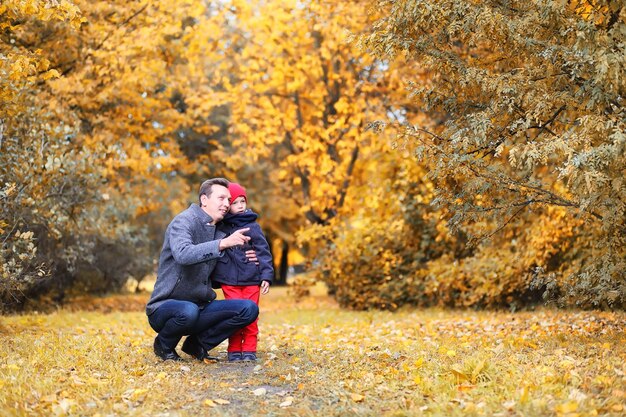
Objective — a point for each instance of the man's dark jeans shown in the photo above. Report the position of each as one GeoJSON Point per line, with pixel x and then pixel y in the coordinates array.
{"type": "Point", "coordinates": [212, 324]}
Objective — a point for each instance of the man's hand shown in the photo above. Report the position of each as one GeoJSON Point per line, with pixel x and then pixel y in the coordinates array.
{"type": "Point", "coordinates": [236, 239]}
{"type": "Point", "coordinates": [251, 255]}
{"type": "Point", "coordinates": [265, 287]}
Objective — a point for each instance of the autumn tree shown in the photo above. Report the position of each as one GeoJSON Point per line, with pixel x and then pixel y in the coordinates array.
{"type": "Point", "coordinates": [43, 179]}
{"type": "Point", "coordinates": [300, 97]}
{"type": "Point", "coordinates": [92, 163]}
{"type": "Point", "coordinates": [532, 139]}
{"type": "Point", "coordinates": [495, 179]}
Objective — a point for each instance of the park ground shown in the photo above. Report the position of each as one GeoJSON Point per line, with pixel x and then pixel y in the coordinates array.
{"type": "Point", "coordinates": [94, 358]}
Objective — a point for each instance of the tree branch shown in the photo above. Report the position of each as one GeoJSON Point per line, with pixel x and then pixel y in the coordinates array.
{"type": "Point", "coordinates": [503, 225]}
{"type": "Point", "coordinates": [72, 64]}
{"type": "Point", "coordinates": [124, 23]}
{"type": "Point", "coordinates": [544, 126]}
{"type": "Point", "coordinates": [346, 183]}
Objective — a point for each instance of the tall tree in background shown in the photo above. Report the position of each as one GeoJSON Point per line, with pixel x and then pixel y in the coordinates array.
{"type": "Point", "coordinates": [535, 129]}
{"type": "Point", "coordinates": [91, 159]}
{"type": "Point", "coordinates": [301, 96]}
{"type": "Point", "coordinates": [297, 98]}
{"type": "Point", "coordinates": [42, 178]}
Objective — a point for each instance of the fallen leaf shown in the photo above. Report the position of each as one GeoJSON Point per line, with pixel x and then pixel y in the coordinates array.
{"type": "Point", "coordinates": [139, 391]}
{"type": "Point", "coordinates": [63, 407]}
{"type": "Point", "coordinates": [357, 398]}
{"type": "Point", "coordinates": [568, 407]}
{"type": "Point", "coordinates": [479, 367]}
{"type": "Point", "coordinates": [49, 398]}
{"type": "Point", "coordinates": [509, 405]}
{"type": "Point", "coordinates": [288, 401]}
{"type": "Point", "coordinates": [221, 402]}
{"type": "Point", "coordinates": [525, 396]}
{"type": "Point", "coordinates": [459, 373]}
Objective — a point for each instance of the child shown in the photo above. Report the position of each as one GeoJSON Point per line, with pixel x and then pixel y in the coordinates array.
{"type": "Point", "coordinates": [240, 278]}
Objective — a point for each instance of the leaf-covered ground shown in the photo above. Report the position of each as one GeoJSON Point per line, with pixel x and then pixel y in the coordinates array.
{"type": "Point", "coordinates": [316, 359]}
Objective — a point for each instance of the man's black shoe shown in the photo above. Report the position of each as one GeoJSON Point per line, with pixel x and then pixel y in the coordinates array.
{"type": "Point", "coordinates": [192, 347]}
{"type": "Point", "coordinates": [165, 354]}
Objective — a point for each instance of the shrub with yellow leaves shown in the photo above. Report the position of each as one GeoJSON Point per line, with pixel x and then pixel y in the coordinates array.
{"type": "Point", "coordinates": [528, 113]}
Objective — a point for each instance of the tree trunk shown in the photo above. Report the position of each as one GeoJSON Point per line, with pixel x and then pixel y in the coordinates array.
{"type": "Point", "coordinates": [281, 277]}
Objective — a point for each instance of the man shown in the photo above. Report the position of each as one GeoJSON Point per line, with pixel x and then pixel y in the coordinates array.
{"type": "Point", "coordinates": [183, 301]}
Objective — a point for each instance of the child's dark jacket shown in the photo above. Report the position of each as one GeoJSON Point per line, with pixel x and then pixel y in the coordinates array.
{"type": "Point", "coordinates": [233, 268]}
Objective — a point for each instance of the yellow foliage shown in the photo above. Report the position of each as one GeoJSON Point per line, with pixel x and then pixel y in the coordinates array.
{"type": "Point", "coordinates": [315, 356]}
{"type": "Point", "coordinates": [132, 100]}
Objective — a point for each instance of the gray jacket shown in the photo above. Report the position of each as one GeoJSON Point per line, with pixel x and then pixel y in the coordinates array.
{"type": "Point", "coordinates": [190, 250]}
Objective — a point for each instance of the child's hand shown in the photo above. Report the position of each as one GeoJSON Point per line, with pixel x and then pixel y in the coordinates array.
{"type": "Point", "coordinates": [265, 287]}
{"type": "Point", "coordinates": [251, 256]}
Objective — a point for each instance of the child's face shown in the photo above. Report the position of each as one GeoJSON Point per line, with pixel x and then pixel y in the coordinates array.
{"type": "Point", "coordinates": [238, 206]}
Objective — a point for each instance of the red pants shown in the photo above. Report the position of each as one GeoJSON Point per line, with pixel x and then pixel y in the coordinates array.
{"type": "Point", "coordinates": [243, 340]}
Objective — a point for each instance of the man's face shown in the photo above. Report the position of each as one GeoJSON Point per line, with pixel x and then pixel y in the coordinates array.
{"type": "Point", "coordinates": [217, 204]}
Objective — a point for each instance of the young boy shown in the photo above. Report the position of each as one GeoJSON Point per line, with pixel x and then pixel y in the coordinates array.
{"type": "Point", "coordinates": [238, 278]}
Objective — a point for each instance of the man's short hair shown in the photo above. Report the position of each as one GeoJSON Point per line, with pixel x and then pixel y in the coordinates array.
{"type": "Point", "coordinates": [207, 187]}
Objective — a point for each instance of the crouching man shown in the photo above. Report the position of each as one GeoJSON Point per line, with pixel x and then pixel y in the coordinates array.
{"type": "Point", "coordinates": [183, 302]}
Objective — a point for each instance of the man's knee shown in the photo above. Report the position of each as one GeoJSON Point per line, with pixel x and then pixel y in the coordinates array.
{"type": "Point", "coordinates": [250, 310]}
{"type": "Point", "coordinates": [187, 316]}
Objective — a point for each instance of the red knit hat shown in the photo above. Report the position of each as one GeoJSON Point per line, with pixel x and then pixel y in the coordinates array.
{"type": "Point", "coordinates": [236, 190]}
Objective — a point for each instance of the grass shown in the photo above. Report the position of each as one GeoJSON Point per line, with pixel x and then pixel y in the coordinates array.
{"type": "Point", "coordinates": [89, 359]}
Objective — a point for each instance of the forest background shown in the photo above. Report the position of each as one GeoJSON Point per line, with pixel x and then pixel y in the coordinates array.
{"type": "Point", "coordinates": [447, 153]}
